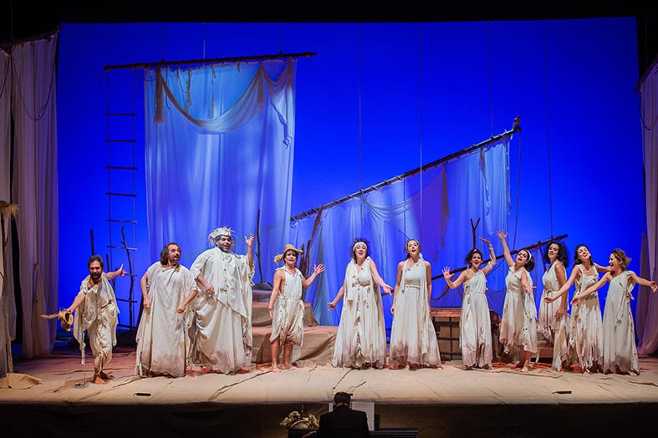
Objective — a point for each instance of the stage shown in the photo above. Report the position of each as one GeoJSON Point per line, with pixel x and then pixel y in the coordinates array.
{"type": "Point", "coordinates": [52, 391]}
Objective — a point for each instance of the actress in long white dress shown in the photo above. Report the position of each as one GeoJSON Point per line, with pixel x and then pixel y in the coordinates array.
{"type": "Point", "coordinates": [361, 337]}
{"type": "Point", "coordinates": [518, 328]}
{"type": "Point", "coordinates": [475, 322]}
{"type": "Point", "coordinates": [413, 337]}
{"type": "Point", "coordinates": [286, 308]}
{"type": "Point", "coordinates": [619, 350]}
{"type": "Point", "coordinates": [586, 325]}
{"type": "Point", "coordinates": [553, 322]}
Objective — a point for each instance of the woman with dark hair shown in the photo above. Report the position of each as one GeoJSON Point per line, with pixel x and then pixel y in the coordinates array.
{"type": "Point", "coordinates": [586, 325]}
{"type": "Point", "coordinates": [619, 350]}
{"type": "Point", "coordinates": [553, 318]}
{"type": "Point", "coordinates": [555, 256]}
{"type": "Point", "coordinates": [475, 322]}
{"type": "Point", "coordinates": [413, 337]}
{"type": "Point", "coordinates": [518, 328]}
{"type": "Point", "coordinates": [361, 337]}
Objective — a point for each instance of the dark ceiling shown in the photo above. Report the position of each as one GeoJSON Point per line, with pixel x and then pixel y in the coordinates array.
{"type": "Point", "coordinates": [21, 20]}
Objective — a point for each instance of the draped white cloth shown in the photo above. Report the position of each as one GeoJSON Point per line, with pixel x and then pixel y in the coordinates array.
{"type": "Point", "coordinates": [162, 341]}
{"type": "Point", "coordinates": [219, 151]}
{"type": "Point", "coordinates": [475, 323]}
{"type": "Point", "coordinates": [430, 206]}
{"type": "Point", "coordinates": [518, 326]}
{"type": "Point", "coordinates": [647, 306]}
{"type": "Point", "coordinates": [619, 350]}
{"type": "Point", "coordinates": [35, 188]}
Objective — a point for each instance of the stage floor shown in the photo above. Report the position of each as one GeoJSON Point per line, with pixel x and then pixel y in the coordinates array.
{"type": "Point", "coordinates": [57, 378]}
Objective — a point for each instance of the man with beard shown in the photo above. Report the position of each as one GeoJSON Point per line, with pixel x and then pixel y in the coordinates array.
{"type": "Point", "coordinates": [161, 339]}
{"type": "Point", "coordinates": [222, 330]}
{"type": "Point", "coordinates": [96, 312]}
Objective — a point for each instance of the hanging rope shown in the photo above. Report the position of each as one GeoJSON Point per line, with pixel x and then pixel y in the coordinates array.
{"type": "Point", "coordinates": [549, 152]}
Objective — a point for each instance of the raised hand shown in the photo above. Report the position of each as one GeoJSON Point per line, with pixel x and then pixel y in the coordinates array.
{"type": "Point", "coordinates": [121, 272]}
{"type": "Point", "coordinates": [446, 273]}
{"type": "Point", "coordinates": [317, 269]}
{"type": "Point", "coordinates": [654, 287]}
{"type": "Point", "coordinates": [331, 305]}
{"type": "Point", "coordinates": [486, 241]}
{"type": "Point", "coordinates": [502, 234]}
{"type": "Point", "coordinates": [249, 240]}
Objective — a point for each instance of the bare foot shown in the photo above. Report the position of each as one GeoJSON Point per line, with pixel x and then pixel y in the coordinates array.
{"type": "Point", "coordinates": [243, 370]}
{"type": "Point", "coordinates": [524, 369]}
{"type": "Point", "coordinates": [106, 376]}
{"type": "Point", "coordinates": [98, 380]}
{"type": "Point", "coordinates": [413, 367]}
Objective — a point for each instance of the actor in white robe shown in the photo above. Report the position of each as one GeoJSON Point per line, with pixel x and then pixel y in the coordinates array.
{"type": "Point", "coordinates": [361, 337]}
{"type": "Point", "coordinates": [475, 321]}
{"type": "Point", "coordinates": [413, 337]}
{"type": "Point", "coordinates": [162, 340]}
{"type": "Point", "coordinates": [619, 349]}
{"type": "Point", "coordinates": [96, 312]}
{"type": "Point", "coordinates": [222, 339]}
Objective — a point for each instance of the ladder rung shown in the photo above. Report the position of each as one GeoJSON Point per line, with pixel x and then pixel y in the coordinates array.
{"type": "Point", "coordinates": [122, 221]}
{"type": "Point", "coordinates": [128, 195]}
{"type": "Point", "coordinates": [121, 167]}
{"type": "Point", "coordinates": [120, 140]}
{"type": "Point", "coordinates": [130, 248]}
{"type": "Point", "coordinates": [120, 114]}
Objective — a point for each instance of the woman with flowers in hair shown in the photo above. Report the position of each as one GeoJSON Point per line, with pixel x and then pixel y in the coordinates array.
{"type": "Point", "coordinates": [619, 350]}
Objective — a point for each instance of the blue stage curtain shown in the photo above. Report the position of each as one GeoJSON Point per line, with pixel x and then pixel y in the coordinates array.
{"type": "Point", "coordinates": [219, 150]}
{"type": "Point", "coordinates": [435, 207]}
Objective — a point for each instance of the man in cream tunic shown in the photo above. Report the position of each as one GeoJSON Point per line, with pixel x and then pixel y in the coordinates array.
{"type": "Point", "coordinates": [222, 338]}
{"type": "Point", "coordinates": [161, 337]}
{"type": "Point", "coordinates": [96, 312]}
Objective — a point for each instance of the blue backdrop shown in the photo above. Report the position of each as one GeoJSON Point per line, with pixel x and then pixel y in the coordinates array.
{"type": "Point", "coordinates": [379, 99]}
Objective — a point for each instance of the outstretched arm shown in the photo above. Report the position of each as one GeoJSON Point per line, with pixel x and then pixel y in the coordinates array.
{"type": "Point", "coordinates": [337, 298]}
{"type": "Point", "coordinates": [492, 257]}
{"type": "Point", "coordinates": [452, 284]}
{"type": "Point", "coordinates": [316, 271]}
{"type": "Point", "coordinates": [506, 252]}
{"type": "Point", "coordinates": [378, 279]}
{"type": "Point", "coordinates": [643, 282]}
{"type": "Point", "coordinates": [565, 287]}
{"type": "Point", "coordinates": [76, 302]}
{"type": "Point", "coordinates": [600, 268]}
{"type": "Point", "coordinates": [593, 288]}
{"type": "Point", "coordinates": [114, 274]}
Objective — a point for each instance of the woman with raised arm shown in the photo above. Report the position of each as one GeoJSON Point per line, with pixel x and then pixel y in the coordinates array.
{"type": "Point", "coordinates": [619, 350]}
{"type": "Point", "coordinates": [553, 322]}
{"type": "Point", "coordinates": [413, 337]}
{"type": "Point", "coordinates": [586, 325]}
{"type": "Point", "coordinates": [518, 328]}
{"type": "Point", "coordinates": [361, 337]}
{"type": "Point", "coordinates": [475, 322]}
{"type": "Point", "coordinates": [286, 307]}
